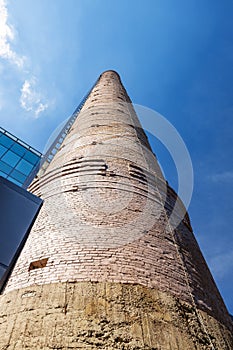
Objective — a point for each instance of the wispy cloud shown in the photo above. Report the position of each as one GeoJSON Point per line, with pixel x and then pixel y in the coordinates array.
{"type": "Point", "coordinates": [32, 100]}
{"type": "Point", "coordinates": [226, 176]}
{"type": "Point", "coordinates": [6, 37]}
{"type": "Point", "coordinates": [1, 102]}
{"type": "Point", "coordinates": [222, 264]}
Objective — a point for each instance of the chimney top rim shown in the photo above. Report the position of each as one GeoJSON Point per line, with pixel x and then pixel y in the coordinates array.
{"type": "Point", "coordinates": [110, 71]}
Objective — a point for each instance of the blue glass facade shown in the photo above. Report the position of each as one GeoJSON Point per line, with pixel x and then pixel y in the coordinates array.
{"type": "Point", "coordinates": [18, 160]}
{"type": "Point", "coordinates": [18, 210]}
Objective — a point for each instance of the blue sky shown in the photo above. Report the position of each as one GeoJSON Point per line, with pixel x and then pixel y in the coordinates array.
{"type": "Point", "coordinates": [175, 57]}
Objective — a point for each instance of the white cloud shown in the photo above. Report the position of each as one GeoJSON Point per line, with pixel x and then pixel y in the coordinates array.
{"type": "Point", "coordinates": [1, 102]}
{"type": "Point", "coordinates": [226, 176]}
{"type": "Point", "coordinates": [31, 100]}
{"type": "Point", "coordinates": [7, 36]}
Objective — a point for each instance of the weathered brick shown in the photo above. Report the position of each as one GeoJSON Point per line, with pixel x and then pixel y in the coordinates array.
{"type": "Point", "coordinates": [105, 218]}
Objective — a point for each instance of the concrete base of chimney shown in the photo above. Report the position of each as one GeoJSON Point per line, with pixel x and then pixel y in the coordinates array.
{"type": "Point", "coordinates": [94, 315]}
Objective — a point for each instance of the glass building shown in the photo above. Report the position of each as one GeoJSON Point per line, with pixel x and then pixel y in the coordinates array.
{"type": "Point", "coordinates": [19, 164]}
{"type": "Point", "coordinates": [18, 209]}
{"type": "Point", "coordinates": [18, 161]}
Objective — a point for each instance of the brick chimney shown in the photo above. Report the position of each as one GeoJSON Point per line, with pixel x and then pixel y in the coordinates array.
{"type": "Point", "coordinates": [102, 267]}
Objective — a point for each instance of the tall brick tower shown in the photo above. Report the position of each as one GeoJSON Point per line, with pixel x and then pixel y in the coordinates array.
{"type": "Point", "coordinates": [102, 267]}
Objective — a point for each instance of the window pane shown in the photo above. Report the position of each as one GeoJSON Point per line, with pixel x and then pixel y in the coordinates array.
{"type": "Point", "coordinates": [24, 167]}
{"type": "Point", "coordinates": [18, 176]}
{"type": "Point", "coordinates": [2, 271]}
{"type": "Point", "coordinates": [11, 158]}
{"type": "Point", "coordinates": [2, 150]}
{"type": "Point", "coordinates": [31, 157]}
{"type": "Point", "coordinates": [6, 141]}
{"type": "Point", "coordinates": [3, 174]}
{"type": "Point", "coordinates": [20, 150]}
{"type": "Point", "coordinates": [15, 181]}
{"type": "Point", "coordinates": [4, 167]}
